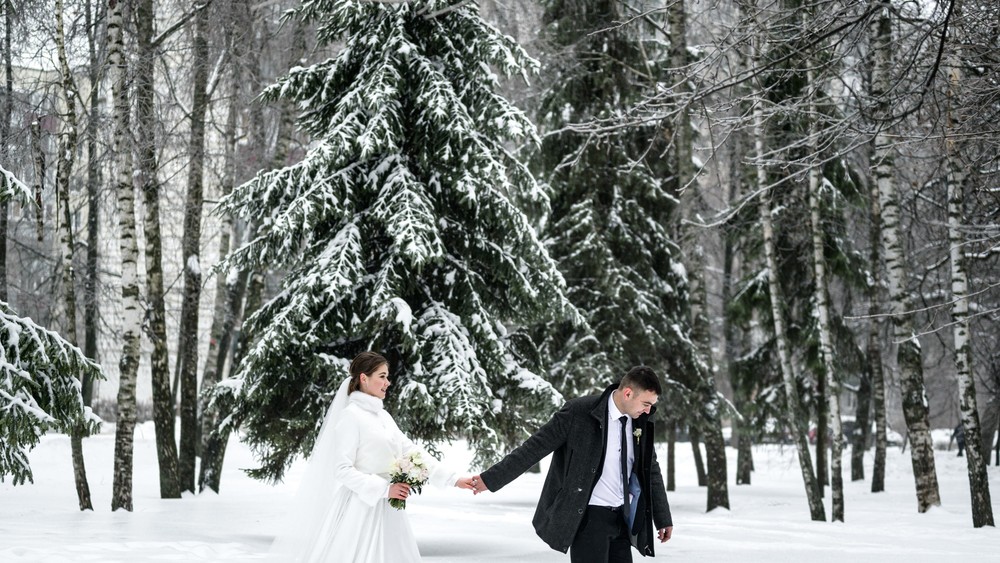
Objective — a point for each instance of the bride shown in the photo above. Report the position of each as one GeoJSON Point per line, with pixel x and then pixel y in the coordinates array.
{"type": "Point", "coordinates": [342, 511]}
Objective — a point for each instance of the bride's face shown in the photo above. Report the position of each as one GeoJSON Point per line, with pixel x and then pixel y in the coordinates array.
{"type": "Point", "coordinates": [376, 383]}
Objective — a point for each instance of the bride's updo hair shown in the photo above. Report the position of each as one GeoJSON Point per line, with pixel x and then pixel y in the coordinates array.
{"type": "Point", "coordinates": [365, 362]}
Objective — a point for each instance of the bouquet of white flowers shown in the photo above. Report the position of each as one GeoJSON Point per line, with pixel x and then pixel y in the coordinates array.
{"type": "Point", "coordinates": [409, 469]}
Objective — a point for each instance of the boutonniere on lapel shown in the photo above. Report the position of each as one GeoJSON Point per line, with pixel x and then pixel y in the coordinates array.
{"type": "Point", "coordinates": [637, 433]}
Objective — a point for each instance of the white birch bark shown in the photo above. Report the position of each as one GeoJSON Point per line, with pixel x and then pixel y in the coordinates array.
{"type": "Point", "coordinates": [131, 311]}
{"type": "Point", "coordinates": [874, 345]}
{"type": "Point", "coordinates": [225, 286]}
{"type": "Point", "coordinates": [796, 417]}
{"type": "Point", "coordinates": [5, 117]}
{"type": "Point", "coordinates": [94, 178]}
{"type": "Point", "coordinates": [188, 357]}
{"type": "Point", "coordinates": [715, 447]}
{"type": "Point", "coordinates": [39, 184]}
{"type": "Point", "coordinates": [823, 314]}
{"type": "Point", "coordinates": [979, 484]}
{"type": "Point", "coordinates": [64, 169]}
{"type": "Point", "coordinates": [908, 353]}
{"type": "Point", "coordinates": [148, 169]}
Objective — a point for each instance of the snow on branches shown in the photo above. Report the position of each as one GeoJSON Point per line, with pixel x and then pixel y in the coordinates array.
{"type": "Point", "coordinates": [12, 188]}
{"type": "Point", "coordinates": [40, 390]}
{"type": "Point", "coordinates": [399, 231]}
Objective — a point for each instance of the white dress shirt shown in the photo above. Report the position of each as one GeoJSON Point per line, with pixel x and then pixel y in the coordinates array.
{"type": "Point", "coordinates": [608, 490]}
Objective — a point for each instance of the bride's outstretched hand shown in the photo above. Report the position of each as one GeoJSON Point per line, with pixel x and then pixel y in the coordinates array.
{"type": "Point", "coordinates": [477, 485]}
{"type": "Point", "coordinates": [466, 483]}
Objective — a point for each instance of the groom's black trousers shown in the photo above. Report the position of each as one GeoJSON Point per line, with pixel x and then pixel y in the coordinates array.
{"type": "Point", "coordinates": [602, 537]}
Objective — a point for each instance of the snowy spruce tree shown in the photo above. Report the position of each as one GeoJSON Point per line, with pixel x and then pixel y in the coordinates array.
{"type": "Point", "coordinates": [400, 231]}
{"type": "Point", "coordinates": [612, 204]}
{"type": "Point", "coordinates": [40, 390]}
{"type": "Point", "coordinates": [40, 378]}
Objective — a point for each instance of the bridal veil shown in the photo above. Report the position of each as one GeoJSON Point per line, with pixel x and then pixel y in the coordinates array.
{"type": "Point", "coordinates": [318, 486]}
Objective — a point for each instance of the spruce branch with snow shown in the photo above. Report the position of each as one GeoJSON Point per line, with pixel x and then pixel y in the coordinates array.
{"type": "Point", "coordinates": [612, 202]}
{"type": "Point", "coordinates": [400, 231]}
{"type": "Point", "coordinates": [11, 188]}
{"type": "Point", "coordinates": [40, 390]}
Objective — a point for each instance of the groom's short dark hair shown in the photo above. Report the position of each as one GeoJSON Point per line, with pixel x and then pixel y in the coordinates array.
{"type": "Point", "coordinates": [641, 378]}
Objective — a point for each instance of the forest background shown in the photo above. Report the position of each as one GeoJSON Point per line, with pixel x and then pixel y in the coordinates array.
{"type": "Point", "coordinates": [788, 208]}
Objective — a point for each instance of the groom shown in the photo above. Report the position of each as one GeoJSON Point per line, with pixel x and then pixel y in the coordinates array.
{"type": "Point", "coordinates": [604, 490]}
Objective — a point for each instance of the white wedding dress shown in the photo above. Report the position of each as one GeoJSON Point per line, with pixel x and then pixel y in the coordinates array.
{"type": "Point", "coordinates": [354, 522]}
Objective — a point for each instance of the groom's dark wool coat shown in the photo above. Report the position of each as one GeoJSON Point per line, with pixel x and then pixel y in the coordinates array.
{"type": "Point", "coordinates": [576, 436]}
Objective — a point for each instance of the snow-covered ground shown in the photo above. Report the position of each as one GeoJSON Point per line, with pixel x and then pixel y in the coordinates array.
{"type": "Point", "coordinates": [769, 521]}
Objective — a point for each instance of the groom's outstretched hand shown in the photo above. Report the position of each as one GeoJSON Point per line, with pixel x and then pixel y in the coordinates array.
{"type": "Point", "coordinates": [465, 483]}
{"type": "Point", "coordinates": [477, 485]}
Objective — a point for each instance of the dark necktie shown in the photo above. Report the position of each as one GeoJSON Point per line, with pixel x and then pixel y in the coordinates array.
{"type": "Point", "coordinates": [624, 460]}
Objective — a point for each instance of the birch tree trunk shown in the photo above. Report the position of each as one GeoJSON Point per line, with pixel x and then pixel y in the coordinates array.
{"type": "Point", "coordinates": [822, 430]}
{"type": "Point", "coordinates": [163, 411]}
{"type": "Point", "coordinates": [90, 306]}
{"type": "Point", "coordinates": [249, 285]}
{"type": "Point", "coordinates": [908, 354]}
{"type": "Point", "coordinates": [191, 244]}
{"type": "Point", "coordinates": [222, 325]}
{"type": "Point", "coordinates": [742, 438]}
{"type": "Point", "coordinates": [989, 414]}
{"type": "Point", "coordinates": [64, 169]}
{"type": "Point", "coordinates": [225, 286]}
{"type": "Point", "coordinates": [979, 484]}
{"type": "Point", "coordinates": [715, 477]}
{"type": "Point", "coordinates": [682, 126]}
{"type": "Point", "coordinates": [796, 416]}
{"type": "Point", "coordinates": [862, 426]}
{"type": "Point", "coordinates": [5, 116]}
{"type": "Point", "coordinates": [823, 313]}
{"type": "Point", "coordinates": [875, 331]}
{"type": "Point", "coordinates": [36, 149]}
{"type": "Point", "coordinates": [214, 442]}
{"type": "Point", "coordinates": [243, 303]}
{"type": "Point", "coordinates": [131, 311]}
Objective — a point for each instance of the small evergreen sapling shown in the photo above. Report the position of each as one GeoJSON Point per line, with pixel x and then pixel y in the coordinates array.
{"type": "Point", "coordinates": [40, 390]}
{"type": "Point", "coordinates": [40, 377]}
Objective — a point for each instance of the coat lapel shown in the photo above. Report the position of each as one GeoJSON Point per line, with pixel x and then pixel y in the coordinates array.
{"type": "Point", "coordinates": [600, 410]}
{"type": "Point", "coordinates": [600, 414]}
{"type": "Point", "coordinates": [638, 441]}
{"type": "Point", "coordinates": [640, 522]}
